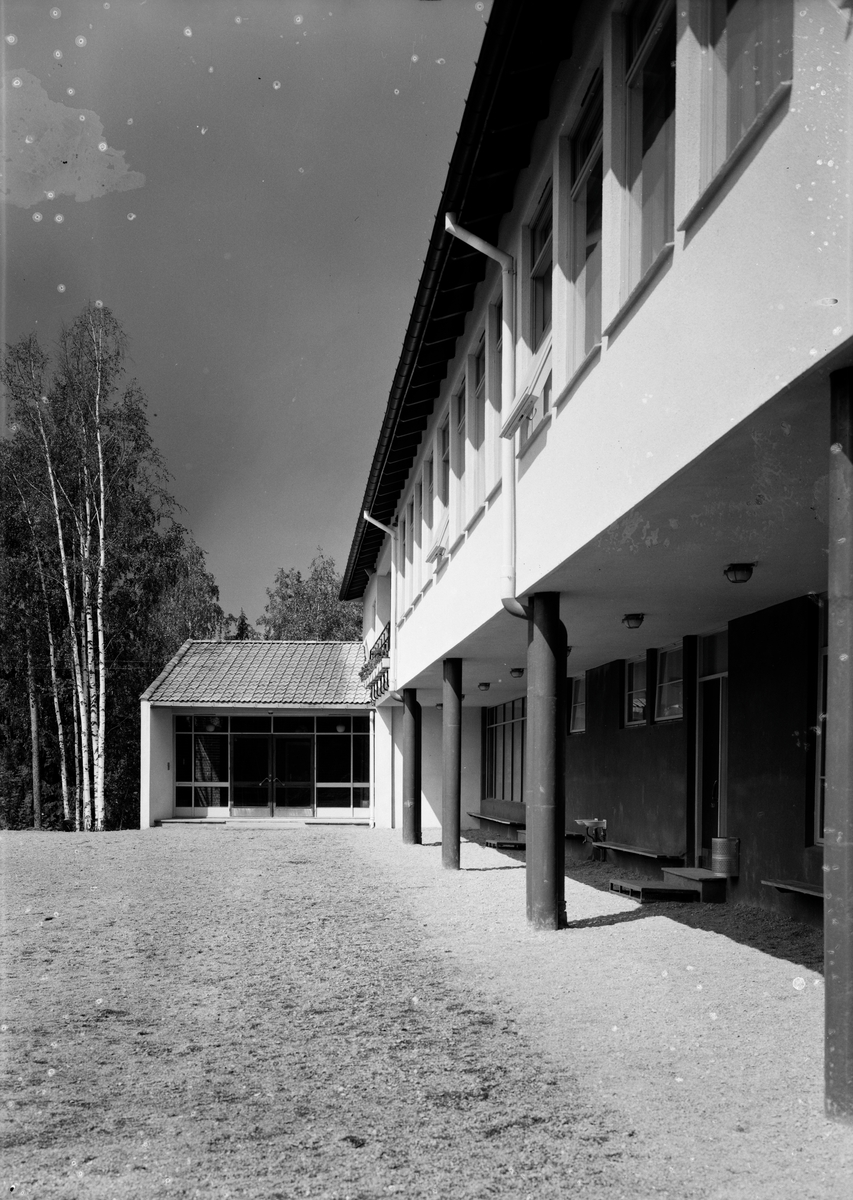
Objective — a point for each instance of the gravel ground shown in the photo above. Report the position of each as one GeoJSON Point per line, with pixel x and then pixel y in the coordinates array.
{"type": "Point", "coordinates": [324, 1012]}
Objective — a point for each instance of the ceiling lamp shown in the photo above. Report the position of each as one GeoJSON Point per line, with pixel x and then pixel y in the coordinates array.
{"type": "Point", "coordinates": [484, 687]}
{"type": "Point", "coordinates": [633, 620]}
{"type": "Point", "coordinates": [516, 672]}
{"type": "Point", "coordinates": [739, 572]}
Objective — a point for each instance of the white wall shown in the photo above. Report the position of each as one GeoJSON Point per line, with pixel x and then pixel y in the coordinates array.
{"type": "Point", "coordinates": [156, 765]}
{"type": "Point", "coordinates": [757, 293]}
{"type": "Point", "coordinates": [384, 755]}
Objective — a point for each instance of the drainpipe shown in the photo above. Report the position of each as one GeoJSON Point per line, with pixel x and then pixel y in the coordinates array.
{"type": "Point", "coordinates": [508, 598]}
{"type": "Point", "coordinates": [392, 654]}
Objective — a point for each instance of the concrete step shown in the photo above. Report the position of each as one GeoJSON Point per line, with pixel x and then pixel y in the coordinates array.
{"type": "Point", "coordinates": [710, 885]}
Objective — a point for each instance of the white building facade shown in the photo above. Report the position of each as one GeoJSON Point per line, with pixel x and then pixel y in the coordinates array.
{"type": "Point", "coordinates": [597, 552]}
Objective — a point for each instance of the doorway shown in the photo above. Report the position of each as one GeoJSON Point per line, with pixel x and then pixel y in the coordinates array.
{"type": "Point", "coordinates": [711, 764]}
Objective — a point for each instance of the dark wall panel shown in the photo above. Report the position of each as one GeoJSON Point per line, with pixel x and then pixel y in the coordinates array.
{"type": "Point", "coordinates": [634, 777]}
{"type": "Point", "coordinates": [772, 712]}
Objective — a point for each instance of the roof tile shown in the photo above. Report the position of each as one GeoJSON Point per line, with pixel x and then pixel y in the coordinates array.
{"type": "Point", "coordinates": [262, 673]}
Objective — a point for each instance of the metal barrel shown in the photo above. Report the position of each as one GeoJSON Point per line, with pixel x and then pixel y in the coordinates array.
{"type": "Point", "coordinates": [725, 855]}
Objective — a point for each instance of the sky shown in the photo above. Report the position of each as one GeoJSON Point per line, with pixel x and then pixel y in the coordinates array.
{"type": "Point", "coordinates": [250, 186]}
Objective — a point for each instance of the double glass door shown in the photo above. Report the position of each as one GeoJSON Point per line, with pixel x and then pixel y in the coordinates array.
{"type": "Point", "coordinates": [273, 776]}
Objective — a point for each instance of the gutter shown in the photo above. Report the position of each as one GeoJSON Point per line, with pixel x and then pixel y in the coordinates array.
{"type": "Point", "coordinates": [508, 517]}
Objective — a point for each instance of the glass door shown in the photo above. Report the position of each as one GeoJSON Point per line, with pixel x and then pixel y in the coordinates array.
{"type": "Point", "coordinates": [293, 776]}
{"type": "Point", "coordinates": [251, 793]}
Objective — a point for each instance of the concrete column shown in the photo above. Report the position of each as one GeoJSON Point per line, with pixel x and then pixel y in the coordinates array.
{"type": "Point", "coordinates": [838, 817]}
{"type": "Point", "coordinates": [411, 767]}
{"type": "Point", "coordinates": [545, 773]}
{"type": "Point", "coordinates": [451, 753]}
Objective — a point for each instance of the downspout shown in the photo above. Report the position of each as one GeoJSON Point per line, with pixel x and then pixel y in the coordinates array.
{"type": "Point", "coordinates": [508, 598]}
{"type": "Point", "coordinates": [392, 533]}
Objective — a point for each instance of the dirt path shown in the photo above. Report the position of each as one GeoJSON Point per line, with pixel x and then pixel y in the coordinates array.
{"type": "Point", "coordinates": [323, 1012]}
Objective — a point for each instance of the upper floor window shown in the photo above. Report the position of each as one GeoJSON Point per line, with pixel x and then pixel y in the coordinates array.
{"type": "Point", "coordinates": [459, 464]}
{"type": "Point", "coordinates": [586, 159]}
{"type": "Point", "coordinates": [478, 419]}
{"type": "Point", "coordinates": [577, 711]}
{"type": "Point", "coordinates": [541, 261]}
{"type": "Point", "coordinates": [650, 133]}
{"type": "Point", "coordinates": [635, 692]}
{"type": "Point", "coordinates": [539, 411]}
{"type": "Point", "coordinates": [751, 54]}
{"type": "Point", "coordinates": [429, 491]}
{"type": "Point", "coordinates": [444, 463]}
{"type": "Point", "coordinates": [669, 695]}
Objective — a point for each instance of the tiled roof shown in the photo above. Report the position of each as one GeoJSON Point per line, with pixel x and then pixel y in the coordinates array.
{"type": "Point", "coordinates": [266, 674]}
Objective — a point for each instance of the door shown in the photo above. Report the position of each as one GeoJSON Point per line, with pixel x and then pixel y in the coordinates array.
{"type": "Point", "coordinates": [293, 776]}
{"type": "Point", "coordinates": [711, 765]}
{"type": "Point", "coordinates": [251, 790]}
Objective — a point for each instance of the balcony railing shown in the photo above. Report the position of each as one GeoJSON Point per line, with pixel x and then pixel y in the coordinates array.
{"type": "Point", "coordinates": [374, 674]}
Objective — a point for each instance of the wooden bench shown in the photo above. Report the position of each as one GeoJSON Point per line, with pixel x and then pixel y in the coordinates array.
{"type": "Point", "coordinates": [795, 885]}
{"type": "Point", "coordinates": [644, 851]}
{"type": "Point", "coordinates": [504, 818]}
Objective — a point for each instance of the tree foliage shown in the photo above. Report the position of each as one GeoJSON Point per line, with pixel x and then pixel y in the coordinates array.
{"type": "Point", "coordinates": [99, 582]}
{"type": "Point", "coordinates": [308, 609]}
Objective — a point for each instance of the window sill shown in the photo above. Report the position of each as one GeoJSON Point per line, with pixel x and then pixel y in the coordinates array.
{"type": "Point", "coordinates": [478, 512]}
{"type": "Point", "coordinates": [454, 546]}
{"type": "Point", "coordinates": [748, 140]}
{"type": "Point", "coordinates": [640, 288]}
{"type": "Point", "coordinates": [535, 435]}
{"type": "Point", "coordinates": [590, 360]}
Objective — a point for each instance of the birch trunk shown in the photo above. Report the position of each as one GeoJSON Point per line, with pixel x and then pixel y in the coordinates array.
{"type": "Point", "coordinates": [34, 737]}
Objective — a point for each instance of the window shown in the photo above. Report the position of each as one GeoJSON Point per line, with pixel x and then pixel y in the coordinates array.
{"type": "Point", "coordinates": [444, 463]}
{"type": "Point", "coordinates": [751, 53]}
{"type": "Point", "coordinates": [417, 531]}
{"type": "Point", "coordinates": [539, 411]}
{"type": "Point", "coordinates": [478, 421]}
{"type": "Point", "coordinates": [650, 140]}
{"type": "Point", "coordinates": [404, 557]}
{"type": "Point", "coordinates": [586, 160]}
{"type": "Point", "coordinates": [410, 551]}
{"type": "Point", "coordinates": [460, 438]}
{"type": "Point", "coordinates": [429, 494]}
{"type": "Point", "coordinates": [669, 697]}
{"type": "Point", "coordinates": [201, 759]}
{"type": "Point", "coordinates": [635, 692]}
{"type": "Point", "coordinates": [503, 777]}
{"type": "Point", "coordinates": [577, 710]}
{"type": "Point", "coordinates": [495, 385]}
{"type": "Point", "coordinates": [541, 256]}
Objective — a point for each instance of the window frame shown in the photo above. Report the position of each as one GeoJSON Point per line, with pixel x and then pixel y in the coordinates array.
{"type": "Point", "coordinates": [582, 167]}
{"type": "Point", "coordinates": [641, 251]}
{"type": "Point", "coordinates": [577, 702]}
{"type": "Point", "coordinates": [660, 683]}
{"type": "Point", "coordinates": [540, 274]}
{"type": "Point", "coordinates": [631, 721]}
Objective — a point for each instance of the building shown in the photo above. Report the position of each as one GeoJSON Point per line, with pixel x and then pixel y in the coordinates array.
{"type": "Point", "coordinates": [620, 429]}
{"type": "Point", "coordinates": [258, 730]}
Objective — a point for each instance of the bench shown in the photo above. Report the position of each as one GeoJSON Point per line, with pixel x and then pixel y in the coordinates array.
{"type": "Point", "coordinates": [642, 850]}
{"type": "Point", "coordinates": [795, 885]}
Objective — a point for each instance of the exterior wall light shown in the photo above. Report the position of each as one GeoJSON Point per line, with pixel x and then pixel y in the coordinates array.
{"type": "Point", "coordinates": [484, 687]}
{"type": "Point", "coordinates": [739, 572]}
{"type": "Point", "coordinates": [633, 620]}
{"type": "Point", "coordinates": [516, 672]}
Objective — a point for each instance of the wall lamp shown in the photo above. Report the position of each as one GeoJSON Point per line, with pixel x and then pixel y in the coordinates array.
{"type": "Point", "coordinates": [633, 620]}
{"type": "Point", "coordinates": [739, 572]}
{"type": "Point", "coordinates": [516, 672]}
{"type": "Point", "coordinates": [484, 687]}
